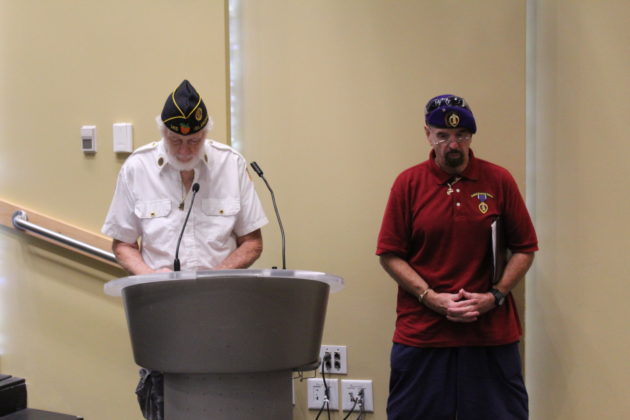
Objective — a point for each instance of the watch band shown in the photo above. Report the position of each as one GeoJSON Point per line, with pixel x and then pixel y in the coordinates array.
{"type": "Point", "coordinates": [499, 297]}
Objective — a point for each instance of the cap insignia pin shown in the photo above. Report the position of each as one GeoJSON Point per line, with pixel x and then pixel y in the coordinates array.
{"type": "Point", "coordinates": [452, 120]}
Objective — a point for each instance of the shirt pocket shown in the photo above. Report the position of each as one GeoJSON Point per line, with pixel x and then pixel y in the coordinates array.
{"type": "Point", "coordinates": [155, 221]}
{"type": "Point", "coordinates": [152, 208]}
{"type": "Point", "coordinates": [220, 215]}
{"type": "Point", "coordinates": [220, 206]}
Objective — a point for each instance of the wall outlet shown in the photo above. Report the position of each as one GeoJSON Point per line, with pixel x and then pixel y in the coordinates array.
{"type": "Point", "coordinates": [338, 363]}
{"type": "Point", "coordinates": [356, 390]}
{"type": "Point", "coordinates": [317, 393]}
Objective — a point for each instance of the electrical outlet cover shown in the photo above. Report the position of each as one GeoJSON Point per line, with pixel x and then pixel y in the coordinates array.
{"type": "Point", "coordinates": [350, 388]}
{"type": "Point", "coordinates": [316, 393]}
{"type": "Point", "coordinates": [338, 359]}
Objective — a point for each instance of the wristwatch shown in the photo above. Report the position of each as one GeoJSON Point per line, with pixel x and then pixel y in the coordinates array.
{"type": "Point", "coordinates": [499, 297]}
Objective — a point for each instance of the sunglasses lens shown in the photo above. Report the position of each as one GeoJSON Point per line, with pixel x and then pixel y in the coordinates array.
{"type": "Point", "coordinates": [432, 106]}
{"type": "Point", "coordinates": [449, 101]}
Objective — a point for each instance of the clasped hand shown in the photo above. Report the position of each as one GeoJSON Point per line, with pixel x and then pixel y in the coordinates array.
{"type": "Point", "coordinates": [462, 306]}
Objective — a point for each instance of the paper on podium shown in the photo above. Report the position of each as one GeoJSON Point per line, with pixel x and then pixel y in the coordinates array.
{"type": "Point", "coordinates": [499, 250]}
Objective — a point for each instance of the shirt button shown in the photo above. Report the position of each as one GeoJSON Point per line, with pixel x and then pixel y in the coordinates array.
{"type": "Point", "coordinates": [457, 190]}
{"type": "Point", "coordinates": [458, 204]}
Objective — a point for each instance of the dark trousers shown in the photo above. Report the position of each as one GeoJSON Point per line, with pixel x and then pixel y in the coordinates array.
{"type": "Point", "coordinates": [150, 392]}
{"type": "Point", "coordinates": [463, 383]}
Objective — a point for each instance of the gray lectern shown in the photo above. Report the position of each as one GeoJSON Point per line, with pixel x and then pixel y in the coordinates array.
{"type": "Point", "coordinates": [227, 341]}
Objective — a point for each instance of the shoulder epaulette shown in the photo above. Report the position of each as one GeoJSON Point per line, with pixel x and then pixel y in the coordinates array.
{"type": "Point", "coordinates": [147, 147]}
{"type": "Point", "coordinates": [224, 147]}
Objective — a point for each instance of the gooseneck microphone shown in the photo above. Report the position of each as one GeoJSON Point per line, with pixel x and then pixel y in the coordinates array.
{"type": "Point", "coordinates": [259, 172]}
{"type": "Point", "coordinates": [176, 265]}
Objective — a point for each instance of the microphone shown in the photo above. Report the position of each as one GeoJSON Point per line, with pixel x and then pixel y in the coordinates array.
{"type": "Point", "coordinates": [259, 172]}
{"type": "Point", "coordinates": [176, 265]}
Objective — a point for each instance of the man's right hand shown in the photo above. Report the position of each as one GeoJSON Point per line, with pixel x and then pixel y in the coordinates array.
{"type": "Point", "coordinates": [454, 306]}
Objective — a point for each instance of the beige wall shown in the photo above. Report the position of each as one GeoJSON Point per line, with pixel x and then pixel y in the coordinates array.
{"type": "Point", "coordinates": [332, 112]}
{"type": "Point", "coordinates": [63, 64]}
{"type": "Point", "coordinates": [578, 338]}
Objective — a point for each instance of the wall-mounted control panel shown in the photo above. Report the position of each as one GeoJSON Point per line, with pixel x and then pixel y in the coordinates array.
{"type": "Point", "coordinates": [88, 138]}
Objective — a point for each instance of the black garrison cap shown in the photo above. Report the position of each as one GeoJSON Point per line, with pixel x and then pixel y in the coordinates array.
{"type": "Point", "coordinates": [184, 111]}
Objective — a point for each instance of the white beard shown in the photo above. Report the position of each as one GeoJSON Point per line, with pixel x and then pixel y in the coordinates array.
{"type": "Point", "coordinates": [183, 166]}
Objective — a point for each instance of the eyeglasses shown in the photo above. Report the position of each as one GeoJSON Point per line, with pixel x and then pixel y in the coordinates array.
{"type": "Point", "coordinates": [443, 137]}
{"type": "Point", "coordinates": [448, 101]}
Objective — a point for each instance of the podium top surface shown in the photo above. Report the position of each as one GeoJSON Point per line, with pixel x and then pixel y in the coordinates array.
{"type": "Point", "coordinates": [115, 287]}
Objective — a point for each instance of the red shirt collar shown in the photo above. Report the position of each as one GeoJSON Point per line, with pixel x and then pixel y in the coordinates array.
{"type": "Point", "coordinates": [471, 172]}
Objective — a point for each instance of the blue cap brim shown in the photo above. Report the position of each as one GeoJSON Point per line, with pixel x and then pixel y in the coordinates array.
{"type": "Point", "coordinates": [452, 117]}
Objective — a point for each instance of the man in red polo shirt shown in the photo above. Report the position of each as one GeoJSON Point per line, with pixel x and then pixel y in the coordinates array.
{"type": "Point", "coordinates": [455, 352]}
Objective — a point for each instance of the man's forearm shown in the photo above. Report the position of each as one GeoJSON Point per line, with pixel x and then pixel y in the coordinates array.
{"type": "Point", "coordinates": [248, 250]}
{"type": "Point", "coordinates": [129, 257]}
{"type": "Point", "coordinates": [412, 282]}
{"type": "Point", "coordinates": [515, 270]}
{"type": "Point", "coordinates": [406, 277]}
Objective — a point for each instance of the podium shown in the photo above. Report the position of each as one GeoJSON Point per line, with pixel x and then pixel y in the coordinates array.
{"type": "Point", "coordinates": [227, 341]}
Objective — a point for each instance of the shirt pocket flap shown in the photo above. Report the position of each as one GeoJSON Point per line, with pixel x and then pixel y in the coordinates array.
{"type": "Point", "coordinates": [152, 208]}
{"type": "Point", "coordinates": [220, 206]}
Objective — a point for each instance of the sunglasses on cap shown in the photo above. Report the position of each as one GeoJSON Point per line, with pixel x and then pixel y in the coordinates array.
{"type": "Point", "coordinates": [447, 101]}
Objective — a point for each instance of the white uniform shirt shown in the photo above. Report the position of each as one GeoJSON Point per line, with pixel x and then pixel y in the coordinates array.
{"type": "Point", "coordinates": [146, 206]}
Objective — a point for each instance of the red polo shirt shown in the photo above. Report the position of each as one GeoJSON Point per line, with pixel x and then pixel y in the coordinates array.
{"type": "Point", "coordinates": [445, 236]}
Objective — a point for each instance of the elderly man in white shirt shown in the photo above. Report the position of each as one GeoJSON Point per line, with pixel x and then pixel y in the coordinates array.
{"type": "Point", "coordinates": [153, 195]}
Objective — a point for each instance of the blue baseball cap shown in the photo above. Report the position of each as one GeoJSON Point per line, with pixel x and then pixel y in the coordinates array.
{"type": "Point", "coordinates": [449, 111]}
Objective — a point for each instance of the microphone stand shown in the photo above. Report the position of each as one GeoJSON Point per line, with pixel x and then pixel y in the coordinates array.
{"type": "Point", "coordinates": [176, 264]}
{"type": "Point", "coordinates": [259, 172]}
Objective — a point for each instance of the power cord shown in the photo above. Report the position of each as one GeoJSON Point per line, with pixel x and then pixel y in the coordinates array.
{"type": "Point", "coordinates": [326, 390]}
{"type": "Point", "coordinates": [356, 401]}
{"type": "Point", "coordinates": [361, 415]}
{"type": "Point", "coordinates": [354, 404]}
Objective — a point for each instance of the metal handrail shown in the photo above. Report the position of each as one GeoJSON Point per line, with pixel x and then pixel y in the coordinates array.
{"type": "Point", "coordinates": [20, 221]}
